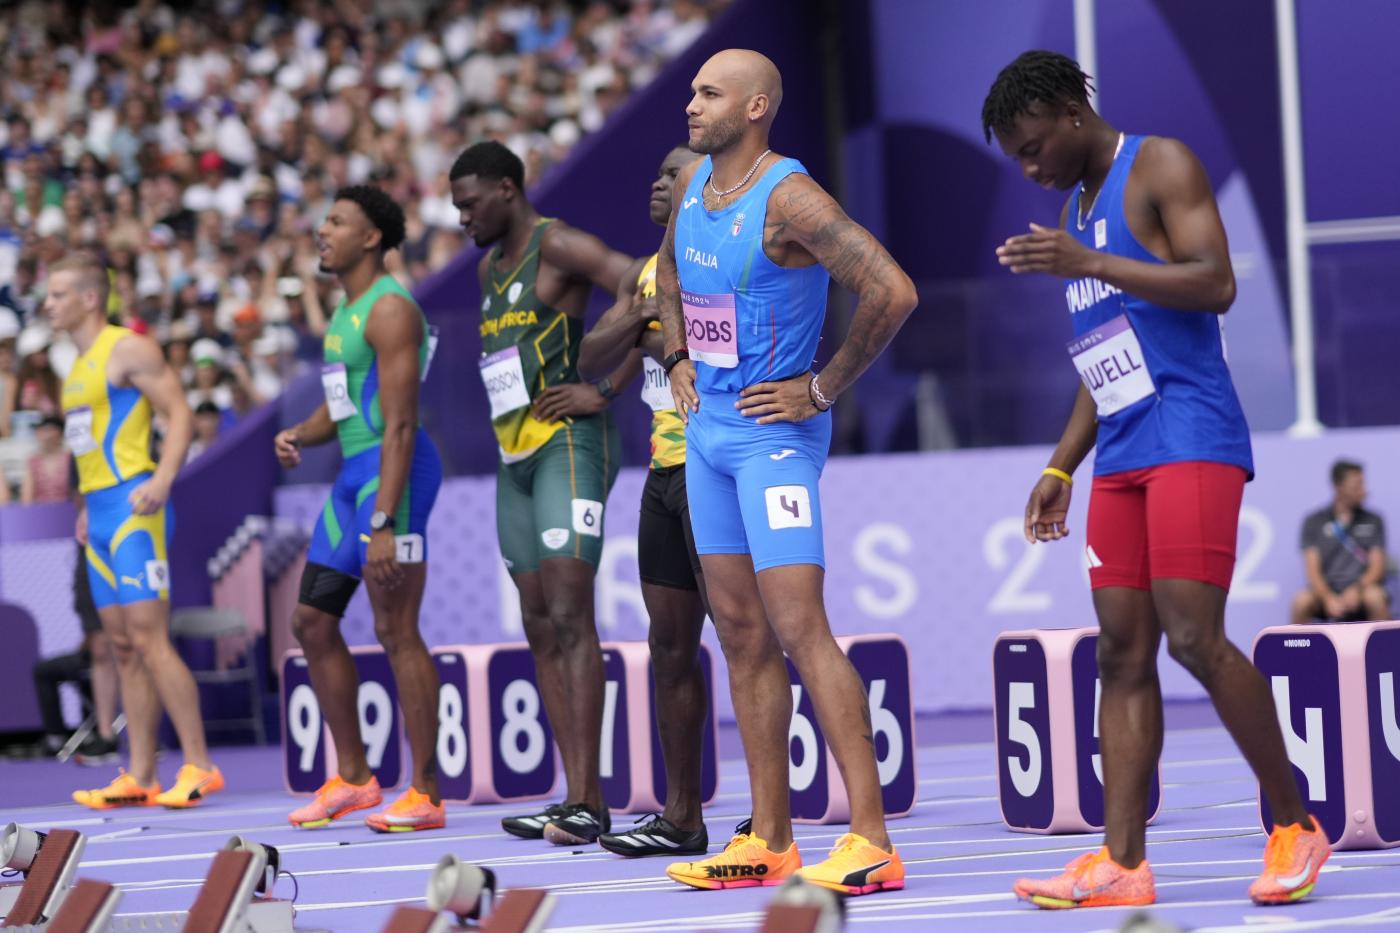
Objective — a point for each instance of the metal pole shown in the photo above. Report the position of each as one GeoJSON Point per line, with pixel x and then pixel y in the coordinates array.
{"type": "Point", "coordinates": [1296, 224]}
{"type": "Point", "coordinates": [1086, 44]}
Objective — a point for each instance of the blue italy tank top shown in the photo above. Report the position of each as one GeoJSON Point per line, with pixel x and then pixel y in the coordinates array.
{"type": "Point", "coordinates": [748, 319]}
{"type": "Point", "coordinates": [1194, 414]}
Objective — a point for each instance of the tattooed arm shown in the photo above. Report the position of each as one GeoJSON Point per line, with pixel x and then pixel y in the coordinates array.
{"type": "Point", "coordinates": [805, 223]}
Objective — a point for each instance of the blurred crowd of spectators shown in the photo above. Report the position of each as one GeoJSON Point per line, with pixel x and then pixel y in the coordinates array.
{"type": "Point", "coordinates": [196, 149]}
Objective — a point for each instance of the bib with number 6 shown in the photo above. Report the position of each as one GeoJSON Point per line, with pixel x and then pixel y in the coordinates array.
{"type": "Point", "coordinates": [337, 387]}
{"type": "Point", "coordinates": [77, 431]}
{"type": "Point", "coordinates": [1111, 364]}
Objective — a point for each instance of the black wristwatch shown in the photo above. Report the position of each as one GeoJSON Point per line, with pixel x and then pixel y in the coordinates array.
{"type": "Point", "coordinates": [605, 388]}
{"type": "Point", "coordinates": [381, 520]}
{"type": "Point", "coordinates": [669, 363]}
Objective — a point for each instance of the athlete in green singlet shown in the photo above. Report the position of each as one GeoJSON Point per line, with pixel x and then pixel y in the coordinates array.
{"type": "Point", "coordinates": [375, 522]}
{"type": "Point", "coordinates": [559, 456]}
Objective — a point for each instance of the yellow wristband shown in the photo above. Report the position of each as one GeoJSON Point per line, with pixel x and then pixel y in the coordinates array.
{"type": "Point", "coordinates": [1058, 474]}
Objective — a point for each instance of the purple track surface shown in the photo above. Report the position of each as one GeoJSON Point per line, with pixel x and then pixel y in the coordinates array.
{"type": "Point", "coordinates": [1205, 848]}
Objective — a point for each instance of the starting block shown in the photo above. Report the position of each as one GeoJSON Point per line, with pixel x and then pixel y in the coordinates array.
{"type": "Point", "coordinates": [47, 879]}
{"type": "Point", "coordinates": [630, 761]}
{"type": "Point", "coordinates": [308, 754]}
{"type": "Point", "coordinates": [1336, 692]}
{"type": "Point", "coordinates": [815, 789]}
{"type": "Point", "coordinates": [494, 739]}
{"type": "Point", "coordinates": [88, 908]}
{"type": "Point", "coordinates": [1049, 774]}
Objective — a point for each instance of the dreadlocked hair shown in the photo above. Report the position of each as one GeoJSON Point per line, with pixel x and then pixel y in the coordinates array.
{"type": "Point", "coordinates": [1048, 77]}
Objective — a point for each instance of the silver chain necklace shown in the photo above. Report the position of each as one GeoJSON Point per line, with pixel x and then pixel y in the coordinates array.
{"type": "Point", "coordinates": [1083, 216]}
{"type": "Point", "coordinates": [719, 194]}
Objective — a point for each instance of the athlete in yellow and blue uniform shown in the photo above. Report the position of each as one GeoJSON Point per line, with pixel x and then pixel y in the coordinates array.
{"type": "Point", "coordinates": [109, 396]}
{"type": "Point", "coordinates": [108, 429]}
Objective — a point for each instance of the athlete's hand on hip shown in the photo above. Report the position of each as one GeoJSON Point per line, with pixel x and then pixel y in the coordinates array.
{"type": "Point", "coordinates": [147, 498]}
{"type": "Point", "coordinates": [1046, 510]}
{"type": "Point", "coordinates": [81, 527]}
{"type": "Point", "coordinates": [568, 399]}
{"type": "Point", "coordinates": [382, 567]}
{"type": "Point", "coordinates": [644, 306]}
{"type": "Point", "coordinates": [683, 389]}
{"type": "Point", "coordinates": [785, 400]}
{"type": "Point", "coordinates": [288, 448]}
{"type": "Point", "coordinates": [1049, 250]}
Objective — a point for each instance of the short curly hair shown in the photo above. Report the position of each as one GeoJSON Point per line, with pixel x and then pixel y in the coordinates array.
{"type": "Point", "coordinates": [381, 209]}
{"type": "Point", "coordinates": [489, 159]}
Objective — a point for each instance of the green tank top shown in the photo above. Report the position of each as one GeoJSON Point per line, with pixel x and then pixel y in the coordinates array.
{"type": "Point", "coordinates": [526, 347]}
{"type": "Point", "coordinates": [350, 374]}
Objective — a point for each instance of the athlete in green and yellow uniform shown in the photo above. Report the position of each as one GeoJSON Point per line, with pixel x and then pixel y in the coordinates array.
{"type": "Point", "coordinates": [629, 338]}
{"type": "Point", "coordinates": [375, 522]}
{"type": "Point", "coordinates": [118, 380]}
{"type": "Point", "coordinates": [559, 455]}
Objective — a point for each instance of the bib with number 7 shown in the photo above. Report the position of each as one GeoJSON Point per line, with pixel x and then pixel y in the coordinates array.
{"type": "Point", "coordinates": [1111, 364]}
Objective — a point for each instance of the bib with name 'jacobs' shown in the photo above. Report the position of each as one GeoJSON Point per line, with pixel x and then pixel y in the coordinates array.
{"type": "Point", "coordinates": [748, 320]}
{"type": "Point", "coordinates": [1158, 375]}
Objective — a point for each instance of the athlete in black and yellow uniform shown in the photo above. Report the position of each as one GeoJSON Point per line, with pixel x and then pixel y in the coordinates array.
{"type": "Point", "coordinates": [117, 381]}
{"type": "Point", "coordinates": [559, 456]}
{"type": "Point", "coordinates": [672, 584]}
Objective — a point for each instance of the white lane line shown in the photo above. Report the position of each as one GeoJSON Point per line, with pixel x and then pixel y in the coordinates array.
{"type": "Point", "coordinates": [117, 834]}
{"type": "Point", "coordinates": [890, 910]}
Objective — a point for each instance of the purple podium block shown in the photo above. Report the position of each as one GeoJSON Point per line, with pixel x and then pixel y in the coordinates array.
{"type": "Point", "coordinates": [308, 754]}
{"type": "Point", "coordinates": [1047, 692]}
{"type": "Point", "coordinates": [815, 789]}
{"type": "Point", "coordinates": [1335, 689]}
{"type": "Point", "coordinates": [632, 770]}
{"type": "Point", "coordinates": [494, 740]}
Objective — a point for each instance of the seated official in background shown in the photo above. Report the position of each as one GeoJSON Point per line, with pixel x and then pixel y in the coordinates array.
{"type": "Point", "coordinates": [1344, 555]}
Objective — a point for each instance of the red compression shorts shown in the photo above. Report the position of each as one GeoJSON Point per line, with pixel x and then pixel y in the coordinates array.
{"type": "Point", "coordinates": [1175, 521]}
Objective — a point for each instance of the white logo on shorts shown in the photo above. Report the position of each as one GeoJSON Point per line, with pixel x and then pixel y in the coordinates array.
{"type": "Point", "coordinates": [486, 304]}
{"type": "Point", "coordinates": [588, 517]}
{"type": "Point", "coordinates": [514, 293]}
{"type": "Point", "coordinates": [782, 454]}
{"type": "Point", "coordinates": [1091, 557]}
{"type": "Point", "coordinates": [555, 538]}
{"type": "Point", "coordinates": [158, 572]}
{"type": "Point", "coordinates": [788, 507]}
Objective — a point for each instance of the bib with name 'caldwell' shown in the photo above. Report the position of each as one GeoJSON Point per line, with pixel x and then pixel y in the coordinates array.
{"type": "Point", "coordinates": [748, 320]}
{"type": "Point", "coordinates": [1157, 374]}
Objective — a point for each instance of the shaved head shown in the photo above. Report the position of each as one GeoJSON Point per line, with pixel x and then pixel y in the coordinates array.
{"type": "Point", "coordinates": [737, 93]}
{"type": "Point", "coordinates": [747, 72]}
